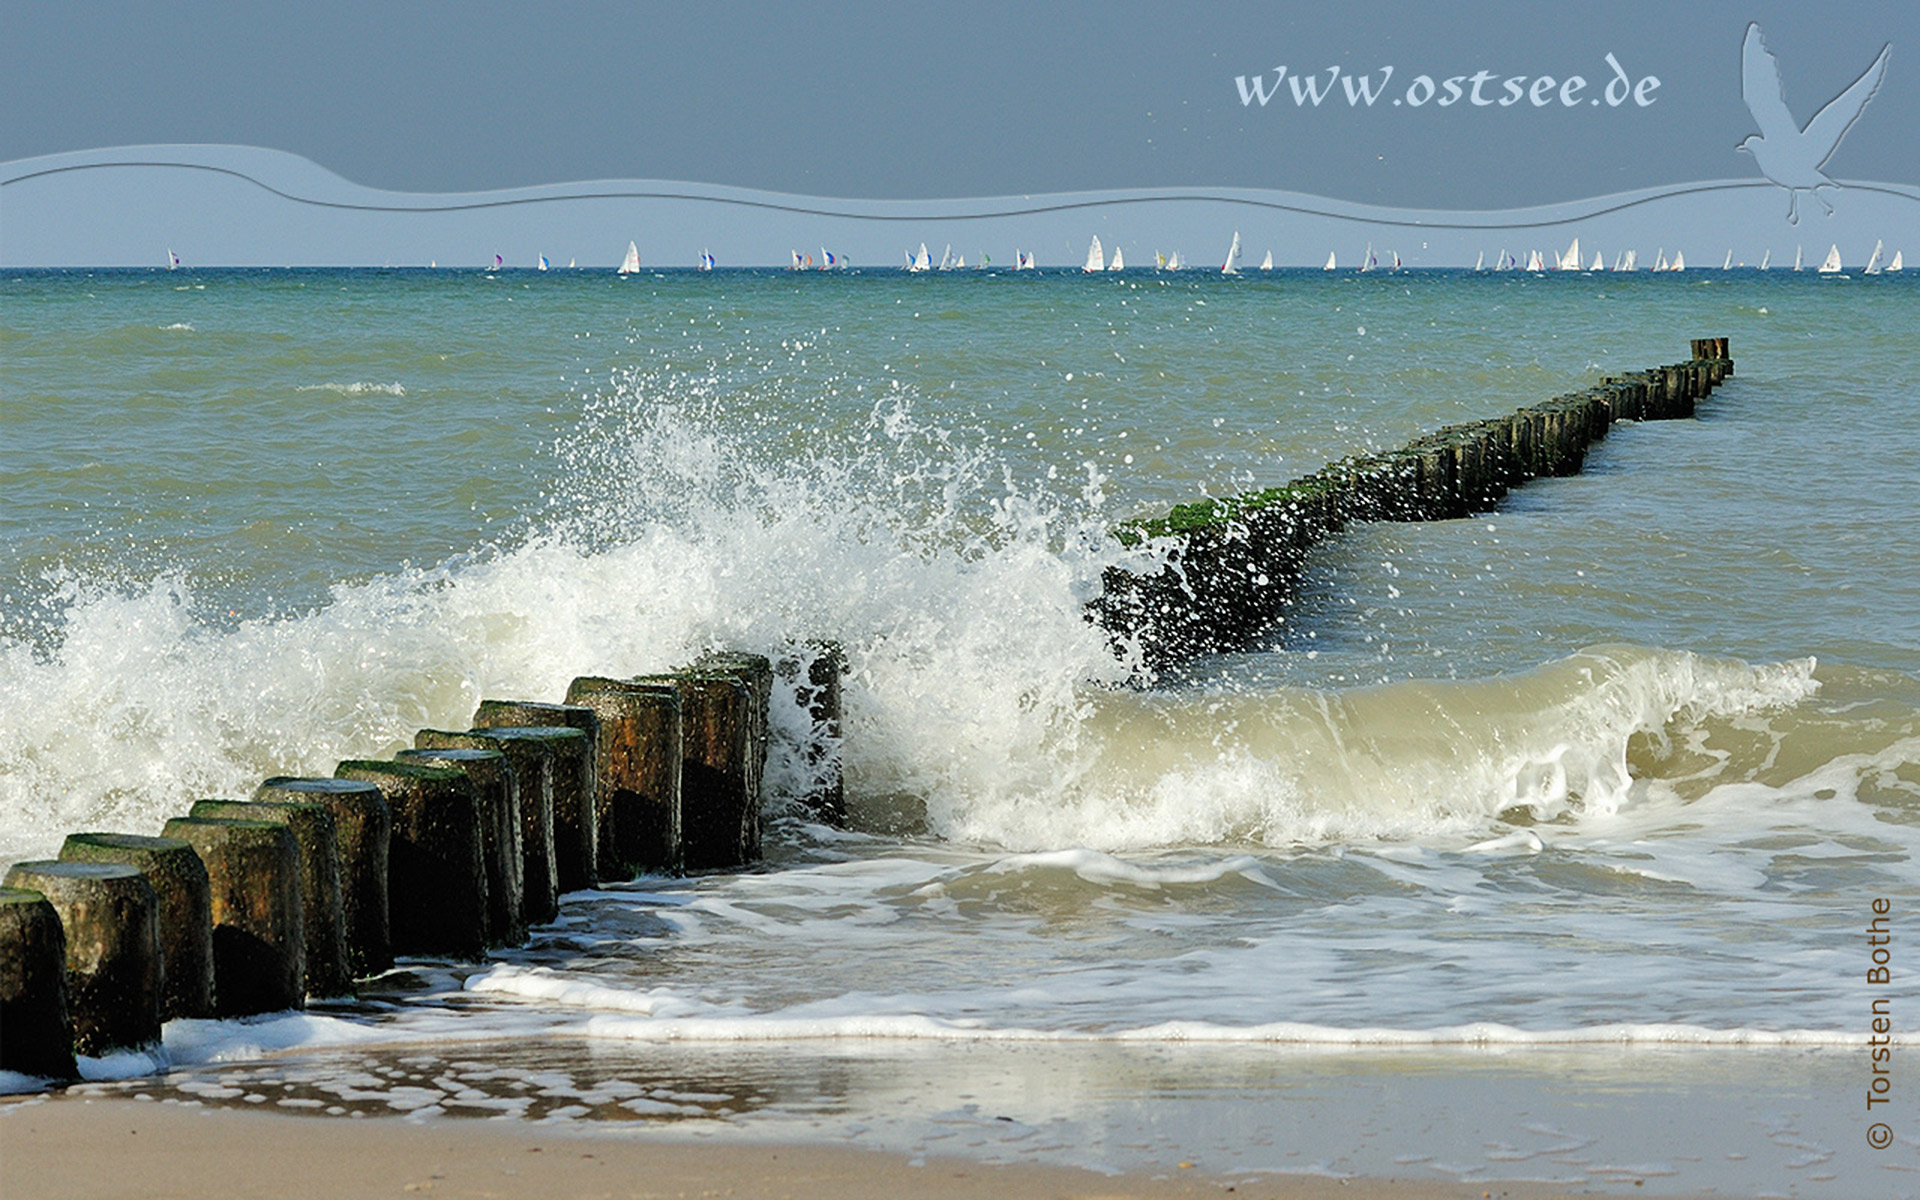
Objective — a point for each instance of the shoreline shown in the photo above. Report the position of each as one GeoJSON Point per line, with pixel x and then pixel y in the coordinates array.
{"type": "Point", "coordinates": [59, 1146]}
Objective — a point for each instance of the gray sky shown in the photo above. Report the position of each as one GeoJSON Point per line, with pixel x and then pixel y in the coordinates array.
{"type": "Point", "coordinates": [876, 100]}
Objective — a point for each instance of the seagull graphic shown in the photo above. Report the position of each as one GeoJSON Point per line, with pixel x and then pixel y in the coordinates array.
{"type": "Point", "coordinates": [1787, 154]}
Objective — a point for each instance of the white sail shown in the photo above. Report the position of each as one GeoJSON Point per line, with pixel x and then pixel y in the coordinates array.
{"type": "Point", "coordinates": [706, 260]}
{"type": "Point", "coordinates": [1832, 265]}
{"type": "Point", "coordinates": [1096, 257]}
{"type": "Point", "coordinates": [1766, 257]}
{"type": "Point", "coordinates": [1873, 264]}
{"type": "Point", "coordinates": [1175, 262]}
{"type": "Point", "coordinates": [1728, 265]}
{"type": "Point", "coordinates": [1367, 261]}
{"type": "Point", "coordinates": [1896, 264]}
{"type": "Point", "coordinates": [1535, 262]}
{"type": "Point", "coordinates": [1679, 262]}
{"type": "Point", "coordinates": [570, 265]}
{"type": "Point", "coordinates": [1481, 261]}
{"type": "Point", "coordinates": [1330, 263]}
{"type": "Point", "coordinates": [631, 262]}
{"type": "Point", "coordinates": [1599, 263]}
{"type": "Point", "coordinates": [1232, 265]}
{"type": "Point", "coordinates": [1570, 261]}
{"type": "Point", "coordinates": [1396, 260]}
{"type": "Point", "coordinates": [960, 263]}
{"type": "Point", "coordinates": [1266, 264]}
{"type": "Point", "coordinates": [1660, 260]}
{"type": "Point", "coordinates": [1796, 258]}
{"type": "Point", "coordinates": [1500, 260]}
{"type": "Point", "coordinates": [946, 258]}
{"type": "Point", "coordinates": [543, 262]}
{"type": "Point", "coordinates": [921, 261]}
{"type": "Point", "coordinates": [1633, 260]}
{"type": "Point", "coordinates": [1117, 262]}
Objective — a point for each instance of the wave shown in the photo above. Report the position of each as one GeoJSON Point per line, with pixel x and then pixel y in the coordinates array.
{"type": "Point", "coordinates": [982, 707]}
{"type": "Point", "coordinates": [355, 389]}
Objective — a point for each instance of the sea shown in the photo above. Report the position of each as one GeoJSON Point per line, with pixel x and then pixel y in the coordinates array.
{"type": "Point", "coordinates": [1562, 842]}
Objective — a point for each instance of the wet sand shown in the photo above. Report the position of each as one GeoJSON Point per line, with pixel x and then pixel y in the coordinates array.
{"type": "Point", "coordinates": [106, 1149]}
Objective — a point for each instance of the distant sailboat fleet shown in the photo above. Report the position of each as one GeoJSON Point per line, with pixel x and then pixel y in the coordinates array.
{"type": "Point", "coordinates": [1098, 259]}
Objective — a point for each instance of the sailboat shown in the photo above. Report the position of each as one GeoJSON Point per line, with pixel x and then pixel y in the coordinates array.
{"type": "Point", "coordinates": [1232, 265]}
{"type": "Point", "coordinates": [1022, 261]}
{"type": "Point", "coordinates": [706, 260]}
{"type": "Point", "coordinates": [1535, 262]}
{"type": "Point", "coordinates": [1266, 264]}
{"type": "Point", "coordinates": [1873, 264]}
{"type": "Point", "coordinates": [173, 260]}
{"type": "Point", "coordinates": [1633, 260]}
{"type": "Point", "coordinates": [1766, 257]}
{"type": "Point", "coordinates": [1599, 263]}
{"type": "Point", "coordinates": [1175, 262]}
{"type": "Point", "coordinates": [1330, 263]}
{"type": "Point", "coordinates": [1367, 261]}
{"type": "Point", "coordinates": [1832, 265]}
{"type": "Point", "coordinates": [827, 261]}
{"type": "Point", "coordinates": [960, 263]}
{"type": "Point", "coordinates": [1396, 260]}
{"type": "Point", "coordinates": [1896, 264]}
{"type": "Point", "coordinates": [570, 265]}
{"type": "Point", "coordinates": [1728, 265]}
{"type": "Point", "coordinates": [921, 261]}
{"type": "Point", "coordinates": [1480, 261]}
{"type": "Point", "coordinates": [498, 262]}
{"type": "Point", "coordinates": [631, 263]}
{"type": "Point", "coordinates": [1679, 262]}
{"type": "Point", "coordinates": [795, 264]}
{"type": "Point", "coordinates": [1096, 257]}
{"type": "Point", "coordinates": [1118, 263]}
{"type": "Point", "coordinates": [946, 258]}
{"type": "Point", "coordinates": [1570, 261]}
{"type": "Point", "coordinates": [1660, 259]}
{"type": "Point", "coordinates": [543, 262]}
{"type": "Point", "coordinates": [1796, 258]}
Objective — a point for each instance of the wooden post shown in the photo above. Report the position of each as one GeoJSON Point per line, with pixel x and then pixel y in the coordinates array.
{"type": "Point", "coordinates": [363, 828]}
{"type": "Point", "coordinates": [531, 759]}
{"type": "Point", "coordinates": [580, 815]}
{"type": "Point", "coordinates": [323, 921]}
{"type": "Point", "coordinates": [639, 780]}
{"type": "Point", "coordinates": [111, 920]}
{"type": "Point", "coordinates": [36, 1028]}
{"type": "Point", "coordinates": [259, 942]}
{"type": "Point", "coordinates": [719, 815]}
{"type": "Point", "coordinates": [814, 671]}
{"type": "Point", "coordinates": [180, 885]}
{"type": "Point", "coordinates": [497, 792]}
{"type": "Point", "coordinates": [436, 874]}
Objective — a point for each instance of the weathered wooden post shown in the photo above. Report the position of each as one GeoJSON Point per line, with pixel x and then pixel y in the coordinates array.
{"type": "Point", "coordinates": [639, 780]}
{"type": "Point", "coordinates": [497, 793]}
{"type": "Point", "coordinates": [436, 870]}
{"type": "Point", "coordinates": [111, 920]}
{"type": "Point", "coordinates": [719, 815]}
{"type": "Point", "coordinates": [363, 827]}
{"type": "Point", "coordinates": [531, 759]}
{"type": "Point", "coordinates": [259, 941]}
{"type": "Point", "coordinates": [323, 922]}
{"type": "Point", "coordinates": [180, 885]}
{"type": "Point", "coordinates": [824, 665]}
{"type": "Point", "coordinates": [576, 817]}
{"type": "Point", "coordinates": [36, 1028]}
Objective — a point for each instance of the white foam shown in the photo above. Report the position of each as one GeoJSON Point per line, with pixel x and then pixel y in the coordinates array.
{"type": "Point", "coordinates": [355, 389]}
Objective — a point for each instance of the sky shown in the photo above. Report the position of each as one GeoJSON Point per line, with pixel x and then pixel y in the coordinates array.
{"type": "Point", "coordinates": [854, 98]}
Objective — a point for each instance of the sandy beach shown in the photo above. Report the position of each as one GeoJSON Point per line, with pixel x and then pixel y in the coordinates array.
{"type": "Point", "coordinates": [106, 1149]}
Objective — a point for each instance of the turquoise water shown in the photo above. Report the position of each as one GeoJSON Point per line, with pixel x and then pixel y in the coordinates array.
{"type": "Point", "coordinates": [1651, 733]}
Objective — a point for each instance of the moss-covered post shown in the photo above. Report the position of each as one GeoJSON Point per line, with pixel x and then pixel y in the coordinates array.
{"type": "Point", "coordinates": [719, 815]}
{"type": "Point", "coordinates": [436, 871]}
{"type": "Point", "coordinates": [497, 793]}
{"type": "Point", "coordinates": [111, 920]}
{"type": "Point", "coordinates": [179, 881]}
{"type": "Point", "coordinates": [363, 827]}
{"type": "Point", "coordinates": [756, 672]}
{"type": "Point", "coordinates": [36, 1028]}
{"type": "Point", "coordinates": [639, 782]}
{"type": "Point", "coordinates": [323, 920]}
{"type": "Point", "coordinates": [531, 759]}
{"type": "Point", "coordinates": [259, 940]}
{"type": "Point", "coordinates": [577, 811]}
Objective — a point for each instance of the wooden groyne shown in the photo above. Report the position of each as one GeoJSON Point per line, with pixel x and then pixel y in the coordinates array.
{"type": "Point", "coordinates": [448, 849]}
{"type": "Point", "coordinates": [1234, 564]}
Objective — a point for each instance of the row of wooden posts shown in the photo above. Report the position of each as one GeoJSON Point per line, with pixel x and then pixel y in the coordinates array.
{"type": "Point", "coordinates": [1235, 563]}
{"type": "Point", "coordinates": [460, 844]}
